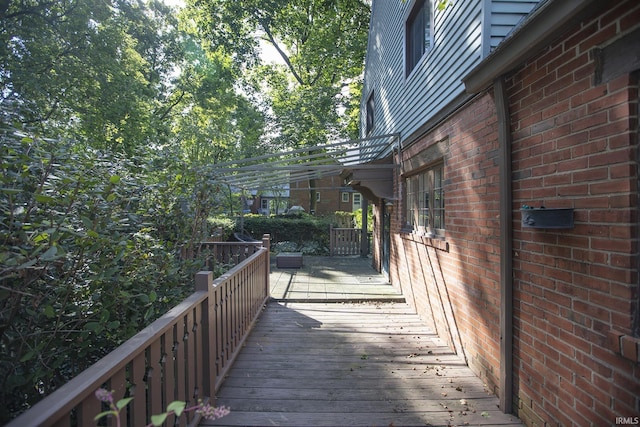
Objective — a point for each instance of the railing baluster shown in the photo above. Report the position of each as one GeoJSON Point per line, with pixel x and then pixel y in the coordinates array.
{"type": "Point", "coordinates": [235, 311]}
{"type": "Point", "coordinates": [218, 324]}
{"type": "Point", "coordinates": [179, 355]}
{"type": "Point", "coordinates": [168, 370]}
{"type": "Point", "coordinates": [87, 410]}
{"type": "Point", "coordinates": [154, 378]}
{"type": "Point", "coordinates": [227, 323]}
{"type": "Point", "coordinates": [118, 384]}
{"type": "Point", "coordinates": [198, 342]}
{"type": "Point", "coordinates": [66, 422]}
{"type": "Point", "coordinates": [207, 354]}
{"type": "Point", "coordinates": [189, 362]}
{"type": "Point", "coordinates": [137, 408]}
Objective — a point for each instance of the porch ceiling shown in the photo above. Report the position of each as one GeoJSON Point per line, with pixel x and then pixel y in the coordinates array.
{"type": "Point", "coordinates": [279, 170]}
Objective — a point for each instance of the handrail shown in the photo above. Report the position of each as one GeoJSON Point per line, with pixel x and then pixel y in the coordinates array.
{"type": "Point", "coordinates": [184, 355]}
{"type": "Point", "coordinates": [228, 253]}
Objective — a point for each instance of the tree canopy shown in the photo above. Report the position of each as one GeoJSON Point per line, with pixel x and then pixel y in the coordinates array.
{"type": "Point", "coordinates": [312, 93]}
{"type": "Point", "coordinates": [322, 46]}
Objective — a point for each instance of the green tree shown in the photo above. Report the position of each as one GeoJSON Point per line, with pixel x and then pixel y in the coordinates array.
{"type": "Point", "coordinates": [322, 45]}
{"type": "Point", "coordinates": [109, 116]}
{"type": "Point", "coordinates": [98, 71]}
{"type": "Point", "coordinates": [217, 122]}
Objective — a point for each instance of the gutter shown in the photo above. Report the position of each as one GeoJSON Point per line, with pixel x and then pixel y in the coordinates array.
{"type": "Point", "coordinates": [542, 26]}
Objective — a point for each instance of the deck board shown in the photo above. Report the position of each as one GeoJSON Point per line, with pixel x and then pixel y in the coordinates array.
{"type": "Point", "coordinates": [351, 364]}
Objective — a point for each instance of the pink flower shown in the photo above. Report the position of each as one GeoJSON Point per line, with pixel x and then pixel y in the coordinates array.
{"type": "Point", "coordinates": [104, 395]}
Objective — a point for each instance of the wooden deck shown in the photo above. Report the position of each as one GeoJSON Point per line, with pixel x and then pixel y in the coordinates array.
{"type": "Point", "coordinates": [351, 364]}
{"type": "Point", "coordinates": [331, 279]}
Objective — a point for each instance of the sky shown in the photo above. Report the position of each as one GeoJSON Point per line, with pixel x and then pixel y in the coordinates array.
{"type": "Point", "coordinates": [269, 53]}
{"type": "Point", "coordinates": [178, 3]}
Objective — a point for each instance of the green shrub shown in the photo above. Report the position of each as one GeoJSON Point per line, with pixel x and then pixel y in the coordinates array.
{"type": "Point", "coordinates": [357, 217]}
{"type": "Point", "coordinates": [300, 229]}
{"type": "Point", "coordinates": [222, 224]}
{"type": "Point", "coordinates": [344, 219]}
{"type": "Point", "coordinates": [93, 247]}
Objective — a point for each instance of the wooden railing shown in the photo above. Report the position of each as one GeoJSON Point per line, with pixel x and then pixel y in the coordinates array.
{"type": "Point", "coordinates": [345, 241]}
{"type": "Point", "coordinates": [184, 355]}
{"type": "Point", "coordinates": [228, 253]}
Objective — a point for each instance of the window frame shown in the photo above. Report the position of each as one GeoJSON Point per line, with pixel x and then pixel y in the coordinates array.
{"type": "Point", "coordinates": [415, 47]}
{"type": "Point", "coordinates": [345, 197]}
{"type": "Point", "coordinates": [425, 202]}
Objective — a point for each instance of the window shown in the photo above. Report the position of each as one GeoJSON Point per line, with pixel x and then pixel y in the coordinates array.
{"type": "Point", "coordinates": [417, 34]}
{"type": "Point", "coordinates": [317, 196]}
{"type": "Point", "coordinates": [264, 206]}
{"type": "Point", "coordinates": [345, 197]}
{"type": "Point", "coordinates": [371, 106]}
{"type": "Point", "coordinates": [424, 201]}
{"type": "Point", "coordinates": [357, 201]}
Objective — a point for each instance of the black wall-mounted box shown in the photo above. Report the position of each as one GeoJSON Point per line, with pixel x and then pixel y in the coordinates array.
{"type": "Point", "coordinates": [547, 218]}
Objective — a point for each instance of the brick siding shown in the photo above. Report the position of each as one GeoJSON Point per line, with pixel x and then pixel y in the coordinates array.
{"type": "Point", "coordinates": [454, 284]}
{"type": "Point", "coordinates": [574, 145]}
{"type": "Point", "coordinates": [330, 197]}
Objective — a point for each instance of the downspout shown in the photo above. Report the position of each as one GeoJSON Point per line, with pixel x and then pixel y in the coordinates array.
{"type": "Point", "coordinates": [506, 246]}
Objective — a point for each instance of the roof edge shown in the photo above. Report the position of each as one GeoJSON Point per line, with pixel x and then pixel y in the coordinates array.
{"type": "Point", "coordinates": [541, 26]}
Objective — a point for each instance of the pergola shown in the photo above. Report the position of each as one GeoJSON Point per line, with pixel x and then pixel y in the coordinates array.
{"type": "Point", "coordinates": [364, 164]}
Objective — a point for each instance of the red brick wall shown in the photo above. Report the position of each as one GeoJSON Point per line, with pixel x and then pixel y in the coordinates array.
{"type": "Point", "coordinates": [330, 199]}
{"type": "Point", "coordinates": [574, 145]}
{"type": "Point", "coordinates": [454, 284]}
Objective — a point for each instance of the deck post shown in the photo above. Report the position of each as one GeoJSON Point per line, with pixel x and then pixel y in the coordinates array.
{"type": "Point", "coordinates": [266, 243]}
{"type": "Point", "coordinates": [331, 240]}
{"type": "Point", "coordinates": [364, 242]}
{"type": "Point", "coordinates": [204, 282]}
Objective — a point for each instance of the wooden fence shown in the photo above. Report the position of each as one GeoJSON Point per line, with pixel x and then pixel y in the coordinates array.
{"type": "Point", "coordinates": [345, 241]}
{"type": "Point", "coordinates": [184, 355]}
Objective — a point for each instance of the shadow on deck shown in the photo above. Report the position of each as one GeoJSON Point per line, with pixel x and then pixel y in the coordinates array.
{"type": "Point", "coordinates": [338, 346]}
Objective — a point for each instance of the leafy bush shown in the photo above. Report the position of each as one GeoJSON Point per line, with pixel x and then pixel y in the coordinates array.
{"type": "Point", "coordinates": [299, 229]}
{"type": "Point", "coordinates": [344, 219]}
{"type": "Point", "coordinates": [357, 218]}
{"type": "Point", "coordinates": [93, 248]}
{"type": "Point", "coordinates": [224, 224]}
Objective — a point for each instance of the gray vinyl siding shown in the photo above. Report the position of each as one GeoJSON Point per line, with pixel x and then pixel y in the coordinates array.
{"type": "Point", "coordinates": [404, 103]}
{"type": "Point", "coordinates": [505, 15]}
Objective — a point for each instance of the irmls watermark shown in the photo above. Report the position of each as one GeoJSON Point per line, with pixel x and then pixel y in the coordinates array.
{"type": "Point", "coordinates": [627, 421]}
